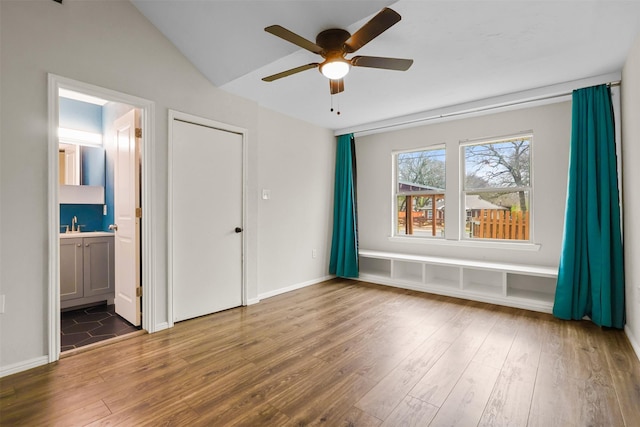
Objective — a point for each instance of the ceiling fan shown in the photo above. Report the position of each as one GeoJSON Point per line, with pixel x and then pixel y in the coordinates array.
{"type": "Point", "coordinates": [335, 43]}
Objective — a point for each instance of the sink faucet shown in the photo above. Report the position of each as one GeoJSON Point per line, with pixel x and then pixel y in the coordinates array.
{"type": "Point", "coordinates": [74, 224]}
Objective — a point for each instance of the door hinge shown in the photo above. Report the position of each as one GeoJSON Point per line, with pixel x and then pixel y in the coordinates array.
{"type": "Point", "coordinates": [138, 132]}
{"type": "Point", "coordinates": [138, 212]}
{"type": "Point", "coordinates": [138, 291]}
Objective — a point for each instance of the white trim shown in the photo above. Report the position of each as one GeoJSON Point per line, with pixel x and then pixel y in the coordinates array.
{"type": "Point", "coordinates": [23, 366]}
{"type": "Point", "coordinates": [394, 182]}
{"type": "Point", "coordinates": [185, 117]}
{"type": "Point", "coordinates": [507, 267]}
{"type": "Point", "coordinates": [436, 146]}
{"type": "Point", "coordinates": [80, 137]}
{"type": "Point", "coordinates": [525, 99]}
{"type": "Point", "coordinates": [528, 134]}
{"type": "Point", "coordinates": [148, 196]}
{"type": "Point", "coordinates": [53, 324]}
{"type": "Point", "coordinates": [65, 93]}
{"type": "Point", "coordinates": [161, 326]}
{"type": "Point", "coordinates": [480, 244]}
{"type": "Point", "coordinates": [634, 342]}
{"type": "Point", "coordinates": [294, 287]}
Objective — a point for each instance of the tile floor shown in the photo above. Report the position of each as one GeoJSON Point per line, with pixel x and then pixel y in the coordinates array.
{"type": "Point", "coordinates": [90, 325]}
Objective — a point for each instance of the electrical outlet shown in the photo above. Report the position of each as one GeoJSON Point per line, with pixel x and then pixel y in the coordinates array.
{"type": "Point", "coordinates": [266, 194]}
{"type": "Point", "coordinates": [1, 304]}
{"type": "Point", "coordinates": [314, 253]}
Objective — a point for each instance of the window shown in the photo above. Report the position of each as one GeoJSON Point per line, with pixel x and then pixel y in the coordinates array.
{"type": "Point", "coordinates": [497, 188]}
{"type": "Point", "coordinates": [420, 192]}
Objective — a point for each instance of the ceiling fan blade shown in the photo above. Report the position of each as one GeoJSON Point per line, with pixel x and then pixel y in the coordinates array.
{"type": "Point", "coordinates": [292, 37]}
{"type": "Point", "coordinates": [290, 72]}
{"type": "Point", "coordinates": [336, 86]}
{"type": "Point", "coordinates": [380, 62]}
{"type": "Point", "coordinates": [380, 23]}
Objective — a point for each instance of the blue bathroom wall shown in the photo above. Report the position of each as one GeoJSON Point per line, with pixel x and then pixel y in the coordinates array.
{"type": "Point", "coordinates": [80, 115]}
{"type": "Point", "coordinates": [90, 216]}
{"type": "Point", "coordinates": [93, 166]}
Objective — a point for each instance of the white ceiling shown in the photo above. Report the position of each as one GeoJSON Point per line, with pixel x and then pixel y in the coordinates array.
{"type": "Point", "coordinates": [463, 50]}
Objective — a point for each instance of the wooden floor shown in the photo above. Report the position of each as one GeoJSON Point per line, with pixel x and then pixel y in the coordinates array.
{"type": "Point", "coordinates": [343, 353]}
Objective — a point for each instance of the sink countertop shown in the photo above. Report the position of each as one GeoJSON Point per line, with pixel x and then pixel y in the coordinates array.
{"type": "Point", "coordinates": [85, 234]}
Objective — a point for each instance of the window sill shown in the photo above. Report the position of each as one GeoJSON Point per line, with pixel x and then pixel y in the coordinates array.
{"type": "Point", "coordinates": [525, 246]}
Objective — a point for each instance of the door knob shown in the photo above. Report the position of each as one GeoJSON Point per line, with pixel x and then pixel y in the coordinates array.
{"type": "Point", "coordinates": [113, 227]}
{"type": "Point", "coordinates": [238, 230]}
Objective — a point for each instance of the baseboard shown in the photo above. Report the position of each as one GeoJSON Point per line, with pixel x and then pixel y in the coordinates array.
{"type": "Point", "coordinates": [253, 301]}
{"type": "Point", "coordinates": [294, 287]}
{"type": "Point", "coordinates": [633, 341]}
{"type": "Point", "coordinates": [23, 366]}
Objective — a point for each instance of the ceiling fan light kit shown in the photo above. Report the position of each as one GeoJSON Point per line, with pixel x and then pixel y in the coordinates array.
{"type": "Point", "coordinates": [335, 70]}
{"type": "Point", "coordinates": [335, 43]}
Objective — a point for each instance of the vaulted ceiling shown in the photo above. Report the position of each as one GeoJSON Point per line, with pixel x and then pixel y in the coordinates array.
{"type": "Point", "coordinates": [463, 50]}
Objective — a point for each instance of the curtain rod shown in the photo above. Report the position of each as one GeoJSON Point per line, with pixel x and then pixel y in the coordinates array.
{"type": "Point", "coordinates": [477, 110]}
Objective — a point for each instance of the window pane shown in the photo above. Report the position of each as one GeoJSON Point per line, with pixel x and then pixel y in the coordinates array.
{"type": "Point", "coordinates": [421, 170]}
{"type": "Point", "coordinates": [497, 165]}
{"type": "Point", "coordinates": [499, 215]}
{"type": "Point", "coordinates": [418, 219]}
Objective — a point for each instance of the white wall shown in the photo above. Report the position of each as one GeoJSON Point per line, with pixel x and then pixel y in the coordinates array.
{"type": "Point", "coordinates": [108, 44]}
{"type": "Point", "coordinates": [551, 125]}
{"type": "Point", "coordinates": [631, 177]}
{"type": "Point", "coordinates": [297, 162]}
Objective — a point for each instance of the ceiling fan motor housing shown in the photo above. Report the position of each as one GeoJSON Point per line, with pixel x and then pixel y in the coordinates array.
{"type": "Point", "coordinates": [332, 41]}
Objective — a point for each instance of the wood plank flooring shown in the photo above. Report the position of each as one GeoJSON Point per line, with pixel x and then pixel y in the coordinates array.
{"type": "Point", "coordinates": [343, 353]}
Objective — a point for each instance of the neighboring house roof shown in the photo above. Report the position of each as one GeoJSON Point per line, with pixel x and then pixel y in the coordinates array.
{"type": "Point", "coordinates": [472, 202]}
{"type": "Point", "coordinates": [414, 186]}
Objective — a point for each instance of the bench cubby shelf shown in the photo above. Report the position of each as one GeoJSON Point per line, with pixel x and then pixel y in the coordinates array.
{"type": "Point", "coordinates": [523, 286]}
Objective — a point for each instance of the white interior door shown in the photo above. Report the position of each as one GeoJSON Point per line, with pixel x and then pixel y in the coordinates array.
{"type": "Point", "coordinates": [206, 220]}
{"type": "Point", "coordinates": [127, 234]}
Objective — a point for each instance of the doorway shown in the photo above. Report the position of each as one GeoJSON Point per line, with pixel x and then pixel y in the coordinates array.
{"type": "Point", "coordinates": [94, 281]}
{"type": "Point", "coordinates": [206, 216]}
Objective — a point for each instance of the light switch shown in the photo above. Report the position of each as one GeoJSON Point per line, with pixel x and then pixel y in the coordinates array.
{"type": "Point", "coordinates": [266, 194]}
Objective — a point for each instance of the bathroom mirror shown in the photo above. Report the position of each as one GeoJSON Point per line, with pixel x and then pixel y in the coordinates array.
{"type": "Point", "coordinates": [81, 165]}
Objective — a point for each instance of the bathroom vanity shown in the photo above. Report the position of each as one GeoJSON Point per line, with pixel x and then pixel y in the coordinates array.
{"type": "Point", "coordinates": [86, 268]}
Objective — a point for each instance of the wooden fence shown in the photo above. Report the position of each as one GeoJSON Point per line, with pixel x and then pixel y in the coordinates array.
{"type": "Point", "coordinates": [501, 224]}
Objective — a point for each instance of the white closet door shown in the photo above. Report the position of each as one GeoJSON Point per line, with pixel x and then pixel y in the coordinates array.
{"type": "Point", "coordinates": [206, 185]}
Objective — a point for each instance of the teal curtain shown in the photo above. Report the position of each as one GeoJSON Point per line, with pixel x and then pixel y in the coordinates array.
{"type": "Point", "coordinates": [591, 274]}
{"type": "Point", "coordinates": [344, 244]}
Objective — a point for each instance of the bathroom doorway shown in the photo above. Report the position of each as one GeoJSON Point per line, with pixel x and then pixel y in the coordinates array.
{"type": "Point", "coordinates": [99, 239]}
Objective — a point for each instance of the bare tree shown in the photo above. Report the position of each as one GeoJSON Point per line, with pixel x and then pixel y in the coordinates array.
{"type": "Point", "coordinates": [421, 168]}
{"type": "Point", "coordinates": [503, 164]}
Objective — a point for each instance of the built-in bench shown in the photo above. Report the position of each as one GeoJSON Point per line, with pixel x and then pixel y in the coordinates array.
{"type": "Point", "coordinates": [515, 285]}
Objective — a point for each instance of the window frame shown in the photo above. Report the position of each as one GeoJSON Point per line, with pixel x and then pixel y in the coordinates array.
{"type": "Point", "coordinates": [464, 191]}
{"type": "Point", "coordinates": [421, 193]}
